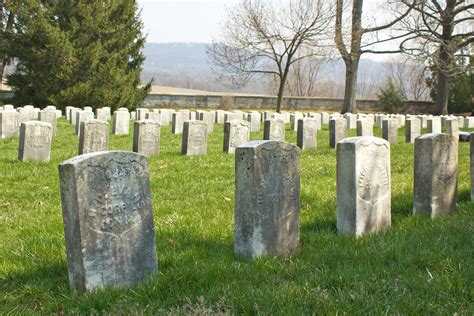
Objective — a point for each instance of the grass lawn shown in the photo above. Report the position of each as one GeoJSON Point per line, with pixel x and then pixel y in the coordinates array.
{"type": "Point", "coordinates": [419, 266]}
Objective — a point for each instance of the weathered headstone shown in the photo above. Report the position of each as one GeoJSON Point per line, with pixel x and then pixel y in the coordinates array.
{"type": "Point", "coordinates": [103, 114]}
{"type": "Point", "coordinates": [274, 129]}
{"type": "Point", "coordinates": [254, 119]}
{"type": "Point", "coordinates": [363, 185]}
{"type": "Point", "coordinates": [153, 116]}
{"type": "Point", "coordinates": [220, 116]}
{"type": "Point", "coordinates": [49, 116]}
{"type": "Point", "coordinates": [412, 129]}
{"type": "Point", "coordinates": [121, 123]}
{"type": "Point", "coordinates": [208, 118]}
{"type": "Point", "coordinates": [35, 141]}
{"type": "Point", "coordinates": [324, 118]}
{"type": "Point", "coordinates": [434, 125]}
{"type": "Point", "coordinates": [306, 133]}
{"type": "Point", "coordinates": [146, 137]}
{"type": "Point", "coordinates": [177, 122]}
{"type": "Point", "coordinates": [337, 130]}
{"type": "Point", "coordinates": [365, 127]}
{"type": "Point", "coordinates": [8, 123]}
{"type": "Point", "coordinates": [94, 136]}
{"type": "Point", "coordinates": [236, 132]}
{"type": "Point", "coordinates": [452, 127]}
{"type": "Point", "coordinates": [108, 219]}
{"type": "Point", "coordinates": [82, 116]}
{"type": "Point", "coordinates": [390, 130]}
{"type": "Point", "coordinates": [267, 206]}
{"type": "Point", "coordinates": [436, 174]}
{"type": "Point", "coordinates": [194, 140]}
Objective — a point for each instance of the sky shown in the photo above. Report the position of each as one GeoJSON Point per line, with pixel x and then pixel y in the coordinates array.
{"type": "Point", "coordinates": [182, 20]}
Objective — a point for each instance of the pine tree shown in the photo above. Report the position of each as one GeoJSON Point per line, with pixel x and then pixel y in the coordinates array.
{"type": "Point", "coordinates": [78, 53]}
{"type": "Point", "coordinates": [391, 98]}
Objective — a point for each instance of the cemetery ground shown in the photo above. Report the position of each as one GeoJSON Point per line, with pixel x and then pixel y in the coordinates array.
{"type": "Point", "coordinates": [419, 266]}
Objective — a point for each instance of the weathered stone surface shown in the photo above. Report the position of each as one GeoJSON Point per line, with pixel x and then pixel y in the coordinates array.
{"type": "Point", "coordinates": [236, 132]}
{"type": "Point", "coordinates": [8, 123]}
{"type": "Point", "coordinates": [472, 166]}
{"type": "Point", "coordinates": [103, 114]}
{"type": "Point", "coordinates": [390, 130]}
{"type": "Point", "coordinates": [35, 141]}
{"type": "Point", "coordinates": [108, 219]}
{"type": "Point", "coordinates": [267, 207]}
{"type": "Point", "coordinates": [121, 123]}
{"type": "Point", "coordinates": [82, 116]}
{"type": "Point", "coordinates": [365, 127]}
{"type": "Point", "coordinates": [317, 117]}
{"type": "Point", "coordinates": [412, 129]}
{"type": "Point", "coordinates": [254, 119]}
{"type": "Point", "coordinates": [208, 118]}
{"type": "Point", "coordinates": [274, 129]}
{"type": "Point", "coordinates": [307, 133]}
{"type": "Point", "coordinates": [452, 127]}
{"type": "Point", "coordinates": [434, 125]}
{"type": "Point", "coordinates": [194, 140]}
{"type": "Point", "coordinates": [94, 136]}
{"type": "Point", "coordinates": [337, 130]}
{"type": "Point", "coordinates": [363, 185]}
{"type": "Point", "coordinates": [49, 116]}
{"type": "Point", "coordinates": [146, 137]}
{"type": "Point", "coordinates": [436, 174]}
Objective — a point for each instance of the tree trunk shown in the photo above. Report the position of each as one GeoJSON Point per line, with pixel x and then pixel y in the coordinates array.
{"type": "Point", "coordinates": [281, 89]}
{"type": "Point", "coordinates": [2, 69]}
{"type": "Point", "coordinates": [349, 105]}
{"type": "Point", "coordinates": [442, 91]}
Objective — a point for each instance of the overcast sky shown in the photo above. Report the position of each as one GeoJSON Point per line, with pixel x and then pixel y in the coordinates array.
{"type": "Point", "coordinates": [182, 20]}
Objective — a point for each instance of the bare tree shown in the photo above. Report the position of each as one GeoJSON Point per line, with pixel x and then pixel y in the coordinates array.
{"type": "Point", "coordinates": [361, 39]}
{"type": "Point", "coordinates": [303, 76]}
{"type": "Point", "coordinates": [262, 37]}
{"type": "Point", "coordinates": [7, 18]}
{"type": "Point", "coordinates": [410, 77]}
{"type": "Point", "coordinates": [442, 30]}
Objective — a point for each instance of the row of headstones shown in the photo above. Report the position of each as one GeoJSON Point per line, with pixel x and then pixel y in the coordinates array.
{"type": "Point", "coordinates": [108, 214]}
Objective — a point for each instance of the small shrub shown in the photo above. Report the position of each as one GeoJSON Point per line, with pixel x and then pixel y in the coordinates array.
{"type": "Point", "coordinates": [391, 99]}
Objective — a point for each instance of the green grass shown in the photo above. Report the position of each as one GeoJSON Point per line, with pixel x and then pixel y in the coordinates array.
{"type": "Point", "coordinates": [419, 266]}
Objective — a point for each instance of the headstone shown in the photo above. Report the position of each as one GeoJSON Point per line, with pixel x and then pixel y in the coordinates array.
{"type": "Point", "coordinates": [133, 115]}
{"type": "Point", "coordinates": [165, 117]}
{"type": "Point", "coordinates": [153, 116]}
{"type": "Point", "coordinates": [103, 114]}
{"type": "Point", "coordinates": [35, 141]}
{"type": "Point", "coordinates": [121, 123]}
{"type": "Point", "coordinates": [108, 219]}
{"type": "Point", "coordinates": [365, 127]}
{"type": "Point", "coordinates": [412, 129]}
{"type": "Point", "coordinates": [8, 107]}
{"type": "Point", "coordinates": [306, 133]}
{"type": "Point", "coordinates": [82, 116]}
{"type": "Point", "coordinates": [230, 116]}
{"type": "Point", "coordinates": [337, 131]}
{"type": "Point", "coordinates": [49, 116]}
{"type": "Point", "coordinates": [363, 185]}
{"type": "Point", "coordinates": [59, 114]}
{"type": "Point", "coordinates": [434, 125]}
{"type": "Point", "coordinates": [351, 120]}
{"type": "Point", "coordinates": [94, 136]}
{"type": "Point", "coordinates": [194, 140]}
{"type": "Point", "coordinates": [436, 174]}
{"type": "Point", "coordinates": [141, 113]}
{"type": "Point", "coordinates": [390, 130]}
{"type": "Point", "coordinates": [469, 122]}
{"type": "Point", "coordinates": [324, 118]}
{"type": "Point", "coordinates": [146, 137]}
{"type": "Point", "coordinates": [208, 118]}
{"type": "Point", "coordinates": [8, 123]}
{"type": "Point", "coordinates": [294, 118]}
{"type": "Point", "coordinates": [267, 193]}
{"type": "Point", "coordinates": [236, 132]}
{"type": "Point", "coordinates": [220, 116]}
{"type": "Point", "coordinates": [88, 109]}
{"type": "Point", "coordinates": [67, 112]}
{"type": "Point", "coordinates": [460, 121]}
{"type": "Point", "coordinates": [177, 122]}
{"type": "Point", "coordinates": [274, 129]}
{"type": "Point", "coordinates": [73, 116]}
{"type": "Point", "coordinates": [452, 127]}
{"type": "Point", "coordinates": [254, 119]}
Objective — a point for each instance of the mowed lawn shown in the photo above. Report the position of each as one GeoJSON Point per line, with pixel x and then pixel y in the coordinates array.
{"type": "Point", "coordinates": [419, 266]}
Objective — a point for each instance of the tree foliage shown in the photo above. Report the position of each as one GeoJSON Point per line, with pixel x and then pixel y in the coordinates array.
{"type": "Point", "coordinates": [77, 53]}
{"type": "Point", "coordinates": [391, 98]}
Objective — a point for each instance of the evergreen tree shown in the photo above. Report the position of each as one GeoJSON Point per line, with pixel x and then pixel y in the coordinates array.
{"type": "Point", "coordinates": [391, 98]}
{"type": "Point", "coordinates": [78, 53]}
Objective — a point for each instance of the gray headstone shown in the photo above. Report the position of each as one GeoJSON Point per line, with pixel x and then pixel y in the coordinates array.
{"type": "Point", "coordinates": [351, 120]}
{"type": "Point", "coordinates": [165, 117]}
{"type": "Point", "coordinates": [324, 118]}
{"type": "Point", "coordinates": [274, 129]}
{"type": "Point", "coordinates": [121, 123]}
{"type": "Point", "coordinates": [306, 133]}
{"type": "Point", "coordinates": [8, 123]}
{"type": "Point", "coordinates": [337, 131]}
{"type": "Point", "coordinates": [267, 193]}
{"type": "Point", "coordinates": [194, 140]}
{"type": "Point", "coordinates": [412, 129]}
{"type": "Point", "coordinates": [108, 219]}
{"type": "Point", "coordinates": [141, 113]}
{"type": "Point", "coordinates": [460, 121]}
{"type": "Point", "coordinates": [229, 116]}
{"type": "Point", "coordinates": [452, 127]}
{"type": "Point", "coordinates": [103, 114]}
{"type": "Point", "coordinates": [294, 117]}
{"type": "Point", "coordinates": [236, 132]}
{"type": "Point", "coordinates": [254, 119]}
{"type": "Point", "coordinates": [73, 115]}
{"type": "Point", "coordinates": [436, 174]}
{"type": "Point", "coordinates": [88, 109]}
{"type": "Point", "coordinates": [390, 130]}
{"type": "Point", "coordinates": [146, 137]}
{"type": "Point", "coordinates": [67, 112]}
{"type": "Point", "coordinates": [208, 118]}
{"type": "Point", "coordinates": [94, 136]}
{"type": "Point", "coordinates": [434, 125]}
{"type": "Point", "coordinates": [220, 116]}
{"type": "Point", "coordinates": [153, 116]}
{"type": "Point", "coordinates": [365, 127]}
{"type": "Point", "coordinates": [35, 141]}
{"type": "Point", "coordinates": [177, 122]}
{"type": "Point", "coordinates": [82, 116]}
{"type": "Point", "coordinates": [49, 116]}
{"type": "Point", "coordinates": [363, 185]}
